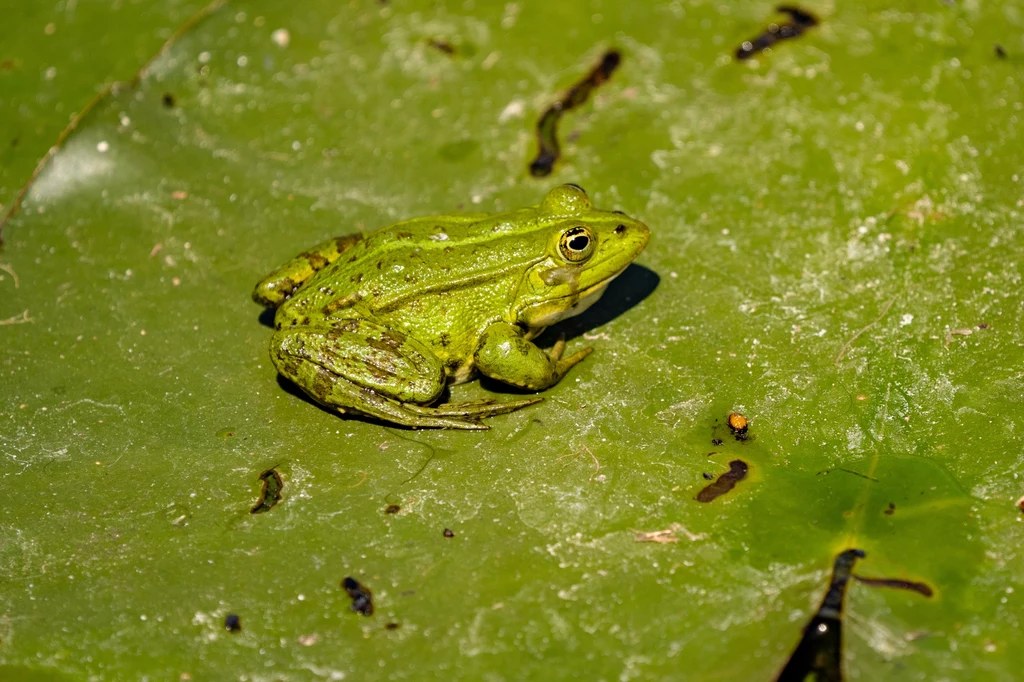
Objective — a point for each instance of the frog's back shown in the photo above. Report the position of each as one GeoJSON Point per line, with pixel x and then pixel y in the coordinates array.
{"type": "Point", "coordinates": [426, 270]}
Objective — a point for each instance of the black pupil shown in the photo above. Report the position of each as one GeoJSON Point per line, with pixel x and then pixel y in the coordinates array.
{"type": "Point", "coordinates": [579, 242]}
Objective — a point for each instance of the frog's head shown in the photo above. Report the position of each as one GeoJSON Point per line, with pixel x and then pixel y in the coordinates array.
{"type": "Point", "coordinates": [586, 248]}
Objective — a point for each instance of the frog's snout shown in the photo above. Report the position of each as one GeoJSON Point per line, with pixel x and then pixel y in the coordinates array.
{"type": "Point", "coordinates": [631, 236]}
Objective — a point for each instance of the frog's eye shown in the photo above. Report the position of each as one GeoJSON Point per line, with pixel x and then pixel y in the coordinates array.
{"type": "Point", "coordinates": [576, 244]}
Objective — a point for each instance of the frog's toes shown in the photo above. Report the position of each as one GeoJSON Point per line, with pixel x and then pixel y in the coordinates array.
{"type": "Point", "coordinates": [556, 351]}
{"type": "Point", "coordinates": [415, 416]}
{"type": "Point", "coordinates": [573, 359]}
{"type": "Point", "coordinates": [449, 423]}
{"type": "Point", "coordinates": [475, 409]}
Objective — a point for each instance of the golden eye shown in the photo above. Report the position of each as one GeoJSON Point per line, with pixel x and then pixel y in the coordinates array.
{"type": "Point", "coordinates": [576, 244]}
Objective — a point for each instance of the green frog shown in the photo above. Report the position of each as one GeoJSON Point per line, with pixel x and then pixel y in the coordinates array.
{"type": "Point", "coordinates": [381, 323]}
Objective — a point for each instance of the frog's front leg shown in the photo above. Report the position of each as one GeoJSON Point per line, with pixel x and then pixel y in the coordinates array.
{"type": "Point", "coordinates": [278, 286]}
{"type": "Point", "coordinates": [360, 366]}
{"type": "Point", "coordinates": [506, 355]}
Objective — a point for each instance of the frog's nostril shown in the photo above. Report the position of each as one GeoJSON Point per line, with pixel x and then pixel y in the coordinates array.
{"type": "Point", "coordinates": [620, 229]}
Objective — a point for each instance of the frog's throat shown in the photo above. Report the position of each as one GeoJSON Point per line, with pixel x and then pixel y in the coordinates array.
{"type": "Point", "coordinates": [571, 305]}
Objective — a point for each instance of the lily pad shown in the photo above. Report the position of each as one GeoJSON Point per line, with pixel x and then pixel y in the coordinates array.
{"type": "Point", "coordinates": [835, 256]}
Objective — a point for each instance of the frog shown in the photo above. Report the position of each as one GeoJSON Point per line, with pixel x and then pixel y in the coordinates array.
{"type": "Point", "coordinates": [380, 324]}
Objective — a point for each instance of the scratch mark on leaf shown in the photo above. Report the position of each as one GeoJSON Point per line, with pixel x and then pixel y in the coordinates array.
{"type": "Point", "coordinates": [361, 481]}
{"type": "Point", "coordinates": [857, 473]}
{"type": "Point", "coordinates": [957, 332]}
{"type": "Point", "coordinates": [579, 453]}
{"type": "Point", "coordinates": [89, 401]}
{"type": "Point", "coordinates": [885, 311]}
{"type": "Point", "coordinates": [17, 319]}
{"type": "Point", "coordinates": [669, 535]}
{"type": "Point", "coordinates": [10, 271]}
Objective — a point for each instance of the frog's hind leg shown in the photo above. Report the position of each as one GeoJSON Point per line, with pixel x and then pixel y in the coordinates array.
{"type": "Point", "coordinates": [359, 366]}
{"type": "Point", "coordinates": [278, 286]}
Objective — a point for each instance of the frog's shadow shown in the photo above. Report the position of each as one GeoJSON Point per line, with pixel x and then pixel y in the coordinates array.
{"type": "Point", "coordinates": [634, 285]}
{"type": "Point", "coordinates": [630, 288]}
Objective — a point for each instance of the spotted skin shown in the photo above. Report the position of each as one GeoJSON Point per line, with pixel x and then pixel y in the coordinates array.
{"type": "Point", "coordinates": [278, 286]}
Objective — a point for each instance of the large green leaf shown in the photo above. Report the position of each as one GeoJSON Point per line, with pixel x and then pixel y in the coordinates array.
{"type": "Point", "coordinates": [836, 236]}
